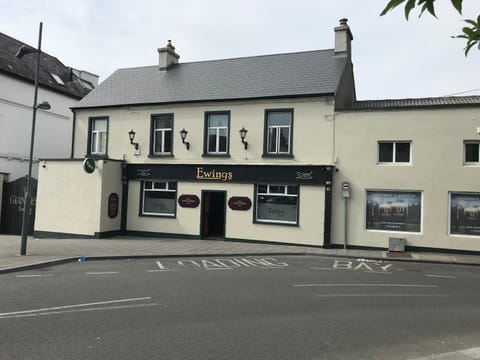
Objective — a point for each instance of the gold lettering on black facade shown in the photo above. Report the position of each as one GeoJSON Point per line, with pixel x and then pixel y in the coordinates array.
{"type": "Point", "coordinates": [214, 175]}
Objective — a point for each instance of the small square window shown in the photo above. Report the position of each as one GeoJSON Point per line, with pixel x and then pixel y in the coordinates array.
{"type": "Point", "coordinates": [394, 151]}
{"type": "Point", "coordinates": [472, 152]}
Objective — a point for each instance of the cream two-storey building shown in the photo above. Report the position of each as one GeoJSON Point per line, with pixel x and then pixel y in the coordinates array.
{"type": "Point", "coordinates": [267, 148]}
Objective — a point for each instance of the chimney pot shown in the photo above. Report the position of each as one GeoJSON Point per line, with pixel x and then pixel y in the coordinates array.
{"type": "Point", "coordinates": [167, 56]}
{"type": "Point", "coordinates": [343, 38]}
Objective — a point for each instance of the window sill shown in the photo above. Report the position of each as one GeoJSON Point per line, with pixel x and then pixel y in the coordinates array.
{"type": "Point", "coordinates": [158, 216]}
{"type": "Point", "coordinates": [154, 156]}
{"type": "Point", "coordinates": [281, 156]}
{"type": "Point", "coordinates": [216, 155]}
{"type": "Point", "coordinates": [394, 163]}
{"type": "Point", "coordinates": [97, 156]}
{"type": "Point", "coordinates": [266, 222]}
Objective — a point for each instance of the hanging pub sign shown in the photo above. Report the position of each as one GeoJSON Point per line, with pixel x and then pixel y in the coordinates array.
{"type": "Point", "coordinates": [239, 203]}
{"type": "Point", "coordinates": [89, 165]}
{"type": "Point", "coordinates": [113, 205]}
{"type": "Point", "coordinates": [188, 201]}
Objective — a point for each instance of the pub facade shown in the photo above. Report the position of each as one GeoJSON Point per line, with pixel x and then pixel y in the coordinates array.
{"type": "Point", "coordinates": [235, 149]}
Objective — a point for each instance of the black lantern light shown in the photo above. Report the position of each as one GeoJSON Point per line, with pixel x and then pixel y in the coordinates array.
{"type": "Point", "coordinates": [183, 135]}
{"type": "Point", "coordinates": [131, 135]}
{"type": "Point", "coordinates": [243, 133]}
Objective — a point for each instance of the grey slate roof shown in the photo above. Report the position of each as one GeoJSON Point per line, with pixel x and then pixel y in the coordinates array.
{"type": "Point", "coordinates": [291, 74]}
{"type": "Point", "coordinates": [416, 103]}
{"type": "Point", "coordinates": [25, 67]}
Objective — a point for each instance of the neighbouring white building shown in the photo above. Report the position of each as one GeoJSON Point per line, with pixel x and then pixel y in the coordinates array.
{"type": "Point", "coordinates": [259, 149]}
{"type": "Point", "coordinates": [61, 86]}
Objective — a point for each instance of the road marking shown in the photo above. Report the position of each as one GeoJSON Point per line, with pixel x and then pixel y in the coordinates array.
{"type": "Point", "coordinates": [381, 295]}
{"type": "Point", "coordinates": [441, 276]}
{"type": "Point", "coordinates": [373, 285]}
{"type": "Point", "coordinates": [102, 273]}
{"type": "Point", "coordinates": [378, 272]}
{"type": "Point", "coordinates": [233, 263]}
{"type": "Point", "coordinates": [34, 275]}
{"type": "Point", "coordinates": [159, 270]}
{"type": "Point", "coordinates": [103, 308]}
{"type": "Point", "coordinates": [349, 265]}
{"type": "Point", "coordinates": [320, 268]}
{"type": "Point", "coordinates": [73, 306]}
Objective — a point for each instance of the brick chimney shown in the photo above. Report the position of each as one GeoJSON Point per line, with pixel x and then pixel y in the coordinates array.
{"type": "Point", "coordinates": [167, 56]}
{"type": "Point", "coordinates": [343, 38]}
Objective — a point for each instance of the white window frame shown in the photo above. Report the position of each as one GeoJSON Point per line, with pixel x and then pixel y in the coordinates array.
{"type": "Point", "coordinates": [96, 136]}
{"type": "Point", "coordinates": [165, 188]}
{"type": "Point", "coordinates": [450, 233]}
{"type": "Point", "coordinates": [394, 153]}
{"type": "Point", "coordinates": [473, 142]}
{"type": "Point", "coordinates": [217, 130]}
{"type": "Point", "coordinates": [278, 132]}
{"type": "Point", "coordinates": [271, 193]}
{"type": "Point", "coordinates": [162, 131]}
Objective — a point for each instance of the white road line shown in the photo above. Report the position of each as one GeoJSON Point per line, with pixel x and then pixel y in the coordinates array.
{"type": "Point", "coordinates": [441, 276]}
{"type": "Point", "coordinates": [380, 295]}
{"type": "Point", "coordinates": [158, 270]}
{"type": "Point", "coordinates": [73, 306]}
{"type": "Point", "coordinates": [102, 273]}
{"type": "Point", "coordinates": [320, 268]}
{"type": "Point", "coordinates": [271, 267]}
{"type": "Point", "coordinates": [378, 272]}
{"type": "Point", "coordinates": [78, 310]}
{"type": "Point", "coordinates": [33, 275]}
{"type": "Point", "coordinates": [219, 268]}
{"type": "Point", "coordinates": [372, 285]}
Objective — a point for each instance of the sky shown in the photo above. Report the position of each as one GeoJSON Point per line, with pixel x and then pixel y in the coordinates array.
{"type": "Point", "coordinates": [393, 58]}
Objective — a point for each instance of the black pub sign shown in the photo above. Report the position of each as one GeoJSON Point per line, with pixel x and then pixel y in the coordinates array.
{"type": "Point", "coordinates": [288, 174]}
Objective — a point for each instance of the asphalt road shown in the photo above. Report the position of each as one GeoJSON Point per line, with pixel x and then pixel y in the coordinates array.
{"type": "Point", "coordinates": [239, 308]}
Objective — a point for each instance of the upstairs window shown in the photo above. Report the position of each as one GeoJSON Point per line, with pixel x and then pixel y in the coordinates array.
{"type": "Point", "coordinates": [278, 128]}
{"type": "Point", "coordinates": [471, 152]}
{"type": "Point", "coordinates": [217, 129]}
{"type": "Point", "coordinates": [162, 134]}
{"type": "Point", "coordinates": [394, 152]}
{"type": "Point", "coordinates": [98, 136]}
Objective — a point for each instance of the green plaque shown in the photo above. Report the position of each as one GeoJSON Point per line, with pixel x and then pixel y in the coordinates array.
{"type": "Point", "coordinates": [89, 165]}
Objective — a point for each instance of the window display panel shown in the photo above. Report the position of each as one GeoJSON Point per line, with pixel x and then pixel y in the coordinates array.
{"type": "Point", "coordinates": [394, 210]}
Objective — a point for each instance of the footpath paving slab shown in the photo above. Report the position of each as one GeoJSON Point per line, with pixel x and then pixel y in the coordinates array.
{"type": "Point", "coordinates": [44, 252]}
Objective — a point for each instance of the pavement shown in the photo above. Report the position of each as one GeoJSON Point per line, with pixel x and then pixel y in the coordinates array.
{"type": "Point", "coordinates": [46, 252]}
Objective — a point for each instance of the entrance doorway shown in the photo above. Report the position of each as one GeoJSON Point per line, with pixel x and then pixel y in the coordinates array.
{"type": "Point", "coordinates": [213, 214]}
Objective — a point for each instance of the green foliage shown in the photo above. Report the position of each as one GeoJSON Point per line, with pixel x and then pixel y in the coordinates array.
{"type": "Point", "coordinates": [471, 34]}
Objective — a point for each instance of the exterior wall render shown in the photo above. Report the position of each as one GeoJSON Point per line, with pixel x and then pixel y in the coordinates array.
{"type": "Point", "coordinates": [312, 130]}
{"type": "Point", "coordinates": [437, 137]}
{"type": "Point", "coordinates": [70, 201]}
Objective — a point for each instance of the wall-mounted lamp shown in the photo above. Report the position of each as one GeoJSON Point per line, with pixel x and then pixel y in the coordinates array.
{"type": "Point", "coordinates": [243, 133]}
{"type": "Point", "coordinates": [131, 135]}
{"type": "Point", "coordinates": [183, 135]}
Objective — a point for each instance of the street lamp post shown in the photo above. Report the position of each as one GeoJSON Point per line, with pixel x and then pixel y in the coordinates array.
{"type": "Point", "coordinates": [44, 106]}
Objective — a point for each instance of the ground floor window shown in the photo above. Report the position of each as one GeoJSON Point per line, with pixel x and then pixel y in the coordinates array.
{"type": "Point", "coordinates": [277, 204]}
{"type": "Point", "coordinates": [465, 214]}
{"type": "Point", "coordinates": [394, 211]}
{"type": "Point", "coordinates": [158, 198]}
